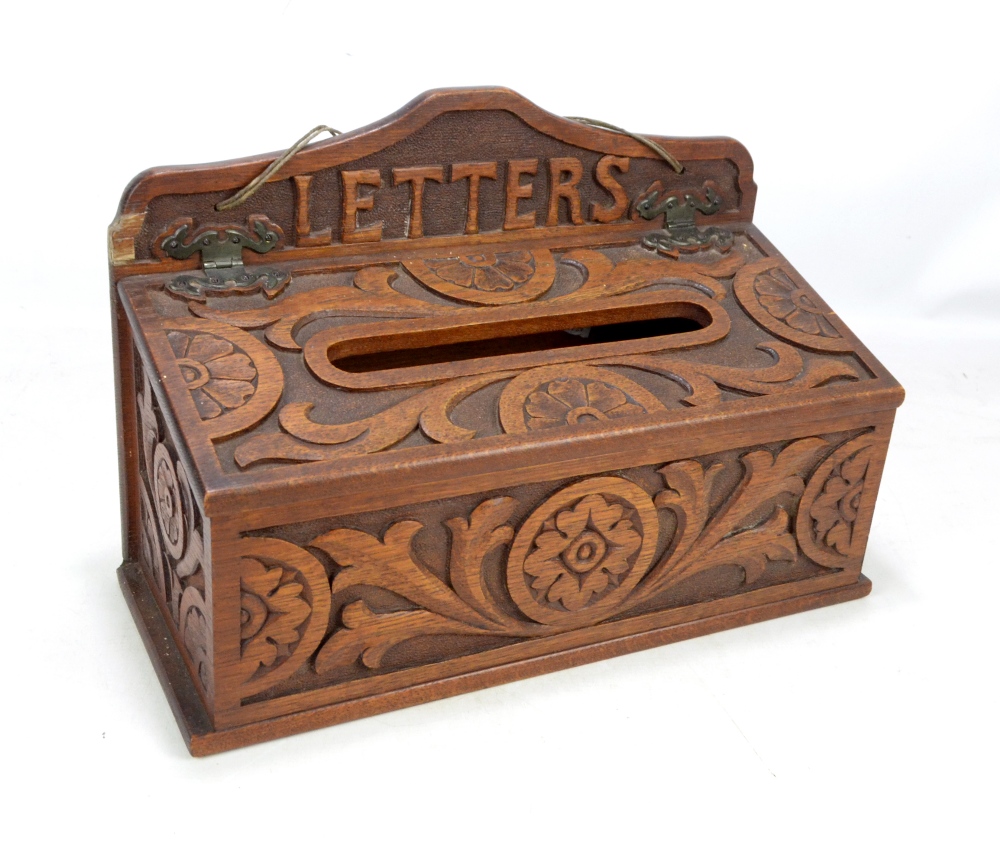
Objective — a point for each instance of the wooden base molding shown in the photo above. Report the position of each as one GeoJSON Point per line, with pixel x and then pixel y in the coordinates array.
{"type": "Point", "coordinates": [202, 739]}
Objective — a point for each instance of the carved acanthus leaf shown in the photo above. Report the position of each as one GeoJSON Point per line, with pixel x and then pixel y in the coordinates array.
{"type": "Point", "coordinates": [388, 564]}
{"type": "Point", "coordinates": [754, 548]}
{"type": "Point", "coordinates": [464, 608]}
{"type": "Point", "coordinates": [471, 541]}
{"type": "Point", "coordinates": [689, 496]}
{"type": "Point", "coordinates": [370, 636]}
{"type": "Point", "coordinates": [765, 477]}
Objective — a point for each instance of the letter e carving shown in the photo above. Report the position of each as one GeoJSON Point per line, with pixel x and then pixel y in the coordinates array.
{"type": "Point", "coordinates": [353, 203]}
{"type": "Point", "coordinates": [512, 220]}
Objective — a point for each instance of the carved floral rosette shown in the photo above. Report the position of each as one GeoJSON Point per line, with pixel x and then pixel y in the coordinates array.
{"type": "Point", "coordinates": [566, 395]}
{"type": "Point", "coordinates": [590, 551]}
{"type": "Point", "coordinates": [491, 278]}
{"type": "Point", "coordinates": [581, 553]}
{"type": "Point", "coordinates": [771, 294]}
{"type": "Point", "coordinates": [284, 610]}
{"type": "Point", "coordinates": [232, 378]}
{"type": "Point", "coordinates": [831, 506]}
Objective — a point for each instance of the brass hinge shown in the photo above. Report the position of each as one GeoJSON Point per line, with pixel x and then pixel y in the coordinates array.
{"type": "Point", "coordinates": [222, 261]}
{"type": "Point", "coordinates": [680, 234]}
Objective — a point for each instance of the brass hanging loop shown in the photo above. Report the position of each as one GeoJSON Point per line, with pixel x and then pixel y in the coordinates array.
{"type": "Point", "coordinates": [255, 185]}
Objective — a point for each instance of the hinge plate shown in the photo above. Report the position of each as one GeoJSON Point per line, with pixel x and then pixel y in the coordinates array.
{"type": "Point", "coordinates": [680, 234]}
{"type": "Point", "coordinates": [222, 260]}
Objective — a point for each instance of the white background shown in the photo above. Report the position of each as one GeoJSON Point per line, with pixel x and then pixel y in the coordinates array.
{"type": "Point", "coordinates": [875, 131]}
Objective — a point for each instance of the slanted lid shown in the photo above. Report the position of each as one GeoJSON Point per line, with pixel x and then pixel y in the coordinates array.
{"type": "Point", "coordinates": [470, 283]}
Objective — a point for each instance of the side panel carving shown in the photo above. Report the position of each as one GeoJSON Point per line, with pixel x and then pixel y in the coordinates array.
{"type": "Point", "coordinates": [171, 549]}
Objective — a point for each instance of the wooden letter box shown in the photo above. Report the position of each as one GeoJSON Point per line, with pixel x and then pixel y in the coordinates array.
{"type": "Point", "coordinates": [469, 395]}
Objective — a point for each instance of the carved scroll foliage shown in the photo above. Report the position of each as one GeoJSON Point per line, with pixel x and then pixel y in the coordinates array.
{"type": "Point", "coordinates": [706, 538]}
{"type": "Point", "coordinates": [587, 553]}
{"type": "Point", "coordinates": [604, 278]}
{"type": "Point", "coordinates": [389, 564]}
{"type": "Point", "coordinates": [371, 295]}
{"type": "Point", "coordinates": [535, 398]}
{"type": "Point", "coordinates": [196, 633]}
{"type": "Point", "coordinates": [150, 550]}
{"type": "Point", "coordinates": [540, 398]}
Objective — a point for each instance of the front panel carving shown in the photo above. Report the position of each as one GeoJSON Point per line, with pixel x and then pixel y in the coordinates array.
{"type": "Point", "coordinates": [334, 601]}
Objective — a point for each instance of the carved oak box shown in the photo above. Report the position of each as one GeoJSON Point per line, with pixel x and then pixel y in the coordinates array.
{"type": "Point", "coordinates": [468, 395]}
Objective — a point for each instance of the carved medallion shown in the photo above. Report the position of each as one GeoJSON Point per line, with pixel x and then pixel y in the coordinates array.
{"type": "Point", "coordinates": [284, 608]}
{"type": "Point", "coordinates": [167, 494]}
{"type": "Point", "coordinates": [581, 553]}
{"type": "Point", "coordinates": [488, 277]}
{"type": "Point", "coordinates": [782, 306]}
{"type": "Point", "coordinates": [233, 379]}
{"type": "Point", "coordinates": [830, 505]}
{"type": "Point", "coordinates": [557, 396]}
